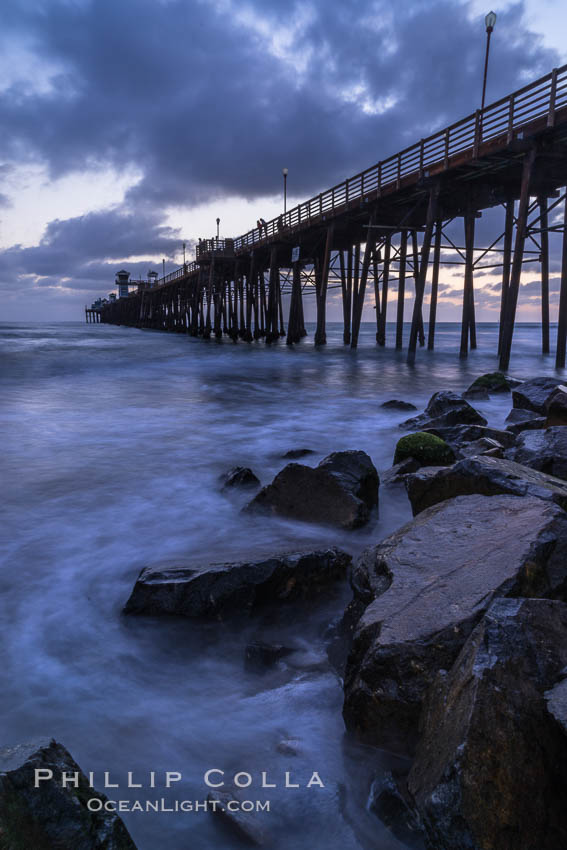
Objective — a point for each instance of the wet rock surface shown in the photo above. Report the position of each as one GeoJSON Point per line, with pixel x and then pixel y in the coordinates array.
{"type": "Point", "coordinates": [50, 816]}
{"type": "Point", "coordinates": [241, 477]}
{"type": "Point", "coordinates": [491, 767]}
{"type": "Point", "coordinates": [342, 491]}
{"type": "Point", "coordinates": [244, 825]}
{"type": "Point", "coordinates": [556, 407]}
{"type": "Point", "coordinates": [532, 395]}
{"type": "Point", "coordinates": [488, 476]}
{"type": "Point", "coordinates": [445, 409]}
{"type": "Point", "coordinates": [260, 656]}
{"type": "Point", "coordinates": [223, 590]}
{"type": "Point", "coordinates": [295, 454]}
{"type": "Point", "coordinates": [459, 436]}
{"type": "Point", "coordinates": [545, 450]}
{"type": "Point", "coordinates": [493, 382]}
{"type": "Point", "coordinates": [426, 586]}
{"type": "Point", "coordinates": [397, 404]}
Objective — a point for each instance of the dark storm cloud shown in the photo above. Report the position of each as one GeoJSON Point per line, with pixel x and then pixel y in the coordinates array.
{"type": "Point", "coordinates": [211, 99]}
{"type": "Point", "coordinates": [78, 247]}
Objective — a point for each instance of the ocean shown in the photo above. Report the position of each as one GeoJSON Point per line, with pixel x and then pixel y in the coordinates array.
{"type": "Point", "coordinates": [114, 441]}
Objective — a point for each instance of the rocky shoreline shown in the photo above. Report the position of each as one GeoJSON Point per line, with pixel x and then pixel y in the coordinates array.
{"type": "Point", "coordinates": [452, 652]}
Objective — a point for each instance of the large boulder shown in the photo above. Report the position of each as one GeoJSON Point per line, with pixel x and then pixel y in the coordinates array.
{"type": "Point", "coordinates": [556, 406]}
{"type": "Point", "coordinates": [51, 816]}
{"type": "Point", "coordinates": [444, 409]}
{"type": "Point", "coordinates": [521, 419]}
{"type": "Point", "coordinates": [222, 590]}
{"type": "Point", "coordinates": [342, 490]}
{"type": "Point", "coordinates": [543, 449]}
{"type": "Point", "coordinates": [425, 588]}
{"type": "Point", "coordinates": [488, 476]}
{"type": "Point", "coordinates": [427, 449]}
{"type": "Point", "coordinates": [532, 395]}
{"type": "Point", "coordinates": [491, 766]}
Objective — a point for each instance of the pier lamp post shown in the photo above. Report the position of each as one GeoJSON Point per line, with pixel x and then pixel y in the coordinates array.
{"type": "Point", "coordinates": [184, 253]}
{"type": "Point", "coordinates": [163, 267]}
{"type": "Point", "coordinates": [218, 223]}
{"type": "Point", "coordinates": [284, 172]}
{"type": "Point", "coordinates": [489, 21]}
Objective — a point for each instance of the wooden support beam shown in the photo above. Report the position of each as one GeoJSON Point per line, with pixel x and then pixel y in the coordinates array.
{"type": "Point", "coordinates": [321, 332]}
{"type": "Point", "coordinates": [250, 299]}
{"type": "Point", "coordinates": [516, 272]}
{"type": "Point", "coordinates": [544, 258]}
{"type": "Point", "coordinates": [417, 317]}
{"type": "Point", "coordinates": [468, 297]}
{"type": "Point", "coordinates": [294, 325]}
{"type": "Point", "coordinates": [506, 265]}
{"type": "Point", "coordinates": [376, 258]}
{"type": "Point", "coordinates": [434, 286]}
{"type": "Point", "coordinates": [346, 289]}
{"type": "Point", "coordinates": [272, 330]}
{"type": "Point", "coordinates": [562, 316]}
{"type": "Point", "coordinates": [358, 301]}
{"type": "Point", "coordinates": [420, 329]}
{"type": "Point", "coordinates": [381, 335]}
{"type": "Point", "coordinates": [401, 288]}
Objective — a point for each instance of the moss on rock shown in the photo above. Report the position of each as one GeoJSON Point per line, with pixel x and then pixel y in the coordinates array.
{"type": "Point", "coordinates": [428, 449]}
{"type": "Point", "coordinates": [494, 382]}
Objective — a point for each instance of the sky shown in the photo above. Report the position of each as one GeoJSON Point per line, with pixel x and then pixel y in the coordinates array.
{"type": "Point", "coordinates": [128, 126]}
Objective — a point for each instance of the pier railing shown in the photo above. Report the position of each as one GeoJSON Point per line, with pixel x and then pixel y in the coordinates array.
{"type": "Point", "coordinates": [502, 120]}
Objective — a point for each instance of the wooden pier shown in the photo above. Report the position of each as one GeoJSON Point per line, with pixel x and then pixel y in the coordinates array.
{"type": "Point", "coordinates": [388, 225]}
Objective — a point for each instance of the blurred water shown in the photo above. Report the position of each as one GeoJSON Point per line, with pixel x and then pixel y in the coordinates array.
{"type": "Point", "coordinates": [114, 439]}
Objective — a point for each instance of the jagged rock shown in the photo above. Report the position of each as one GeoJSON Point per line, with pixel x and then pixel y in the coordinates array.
{"type": "Point", "coordinates": [397, 472]}
{"type": "Point", "coordinates": [533, 394]}
{"type": "Point", "coordinates": [259, 656]}
{"type": "Point", "coordinates": [445, 409]}
{"type": "Point", "coordinates": [342, 490]}
{"type": "Point", "coordinates": [289, 747]}
{"type": "Point", "coordinates": [221, 590]}
{"type": "Point", "coordinates": [545, 450]}
{"type": "Point", "coordinates": [493, 382]}
{"type": "Point", "coordinates": [478, 394]}
{"type": "Point", "coordinates": [425, 588]}
{"type": "Point", "coordinates": [556, 407]}
{"type": "Point", "coordinates": [50, 816]}
{"type": "Point", "coordinates": [244, 825]}
{"type": "Point", "coordinates": [461, 435]}
{"type": "Point", "coordinates": [491, 766]}
{"type": "Point", "coordinates": [395, 811]}
{"type": "Point", "coordinates": [295, 454]}
{"type": "Point", "coordinates": [485, 446]}
{"type": "Point", "coordinates": [427, 449]}
{"type": "Point", "coordinates": [488, 476]}
{"type": "Point", "coordinates": [521, 419]}
{"type": "Point", "coordinates": [240, 476]}
{"type": "Point", "coordinates": [396, 404]}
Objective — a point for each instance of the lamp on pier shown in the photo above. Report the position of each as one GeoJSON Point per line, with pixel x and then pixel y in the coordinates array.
{"type": "Point", "coordinates": [218, 224]}
{"type": "Point", "coordinates": [184, 253]}
{"type": "Point", "coordinates": [489, 21]}
{"type": "Point", "coordinates": [284, 172]}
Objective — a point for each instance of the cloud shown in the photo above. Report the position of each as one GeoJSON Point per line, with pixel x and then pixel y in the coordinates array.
{"type": "Point", "coordinates": [210, 99]}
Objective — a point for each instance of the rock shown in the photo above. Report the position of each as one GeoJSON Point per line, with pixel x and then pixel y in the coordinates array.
{"type": "Point", "coordinates": [221, 590]}
{"type": "Point", "coordinates": [556, 699]}
{"type": "Point", "coordinates": [289, 747]}
{"type": "Point", "coordinates": [243, 824]}
{"type": "Point", "coordinates": [556, 407]}
{"type": "Point", "coordinates": [493, 382]}
{"type": "Point", "coordinates": [545, 450]}
{"type": "Point", "coordinates": [523, 420]}
{"type": "Point", "coordinates": [342, 490]}
{"type": "Point", "coordinates": [425, 588]}
{"type": "Point", "coordinates": [477, 394]}
{"type": "Point", "coordinates": [488, 476]}
{"type": "Point", "coordinates": [395, 812]}
{"type": "Point", "coordinates": [533, 394]}
{"type": "Point", "coordinates": [397, 472]}
{"type": "Point", "coordinates": [491, 767]}
{"type": "Point", "coordinates": [51, 816]}
{"type": "Point", "coordinates": [428, 449]}
{"type": "Point", "coordinates": [259, 656]}
{"type": "Point", "coordinates": [240, 476]}
{"type": "Point", "coordinates": [396, 404]}
{"type": "Point", "coordinates": [444, 409]}
{"type": "Point", "coordinates": [295, 454]}
{"type": "Point", "coordinates": [485, 446]}
{"type": "Point", "coordinates": [461, 435]}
